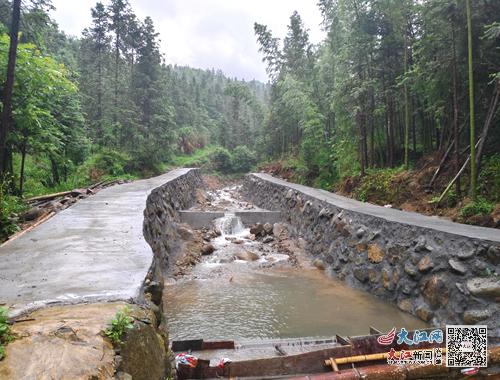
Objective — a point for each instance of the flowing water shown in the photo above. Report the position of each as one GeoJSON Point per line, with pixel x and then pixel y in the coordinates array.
{"type": "Point", "coordinates": [225, 297]}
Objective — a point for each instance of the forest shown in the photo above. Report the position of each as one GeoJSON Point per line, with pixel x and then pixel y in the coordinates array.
{"type": "Point", "coordinates": [399, 101]}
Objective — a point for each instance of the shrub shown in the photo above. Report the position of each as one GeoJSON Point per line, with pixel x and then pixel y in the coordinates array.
{"type": "Point", "coordinates": [489, 178]}
{"type": "Point", "coordinates": [379, 185]}
{"type": "Point", "coordinates": [480, 207]}
{"type": "Point", "coordinates": [119, 324]}
{"type": "Point", "coordinates": [221, 160]}
{"type": "Point", "coordinates": [5, 336]}
{"type": "Point", "coordinates": [243, 159]}
{"type": "Point", "coordinates": [10, 206]}
{"type": "Point", "coordinates": [106, 162]}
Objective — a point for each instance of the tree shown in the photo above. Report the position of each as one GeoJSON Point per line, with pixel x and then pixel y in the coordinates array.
{"type": "Point", "coordinates": [473, 175]}
{"type": "Point", "coordinates": [95, 53]}
{"type": "Point", "coordinates": [5, 152]}
{"type": "Point", "coordinates": [120, 15]}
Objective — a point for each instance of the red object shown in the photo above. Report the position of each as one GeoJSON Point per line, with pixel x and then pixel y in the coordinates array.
{"type": "Point", "coordinates": [388, 338]}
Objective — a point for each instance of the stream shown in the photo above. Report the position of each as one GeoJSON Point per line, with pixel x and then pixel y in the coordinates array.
{"type": "Point", "coordinates": [251, 291]}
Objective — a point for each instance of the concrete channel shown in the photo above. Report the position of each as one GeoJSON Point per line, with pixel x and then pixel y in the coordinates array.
{"type": "Point", "coordinates": [118, 246]}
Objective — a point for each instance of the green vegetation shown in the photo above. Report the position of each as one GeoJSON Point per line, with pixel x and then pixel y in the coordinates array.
{"type": "Point", "coordinates": [389, 86]}
{"type": "Point", "coordinates": [478, 207]}
{"type": "Point", "coordinates": [5, 336]}
{"type": "Point", "coordinates": [107, 106]}
{"type": "Point", "coordinates": [122, 322]}
{"type": "Point", "coordinates": [381, 184]}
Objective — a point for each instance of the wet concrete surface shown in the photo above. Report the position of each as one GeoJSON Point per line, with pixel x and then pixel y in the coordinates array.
{"type": "Point", "coordinates": [92, 251]}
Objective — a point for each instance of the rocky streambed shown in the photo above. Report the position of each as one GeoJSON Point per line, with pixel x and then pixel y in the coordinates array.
{"type": "Point", "coordinates": [257, 283]}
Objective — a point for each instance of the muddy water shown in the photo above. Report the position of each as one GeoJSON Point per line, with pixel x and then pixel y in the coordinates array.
{"type": "Point", "coordinates": [228, 298]}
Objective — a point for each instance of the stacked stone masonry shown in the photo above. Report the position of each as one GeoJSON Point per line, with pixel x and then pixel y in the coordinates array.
{"type": "Point", "coordinates": [440, 271]}
{"type": "Point", "coordinates": [161, 213]}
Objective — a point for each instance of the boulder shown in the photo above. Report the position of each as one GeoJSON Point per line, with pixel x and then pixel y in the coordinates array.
{"type": "Point", "coordinates": [457, 266]}
{"type": "Point", "coordinates": [472, 317]}
{"type": "Point", "coordinates": [484, 286]}
{"type": "Point", "coordinates": [247, 256]}
{"type": "Point", "coordinates": [257, 229]}
{"type": "Point", "coordinates": [207, 249]}
{"type": "Point", "coordinates": [268, 228]}
{"type": "Point", "coordinates": [185, 233]}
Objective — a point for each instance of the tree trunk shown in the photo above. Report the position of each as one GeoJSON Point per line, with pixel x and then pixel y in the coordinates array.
{"type": "Point", "coordinates": [456, 144]}
{"type": "Point", "coordinates": [407, 111]}
{"type": "Point", "coordinates": [5, 152]}
{"type": "Point", "coordinates": [473, 176]}
{"type": "Point", "coordinates": [99, 132]}
{"type": "Point", "coordinates": [21, 173]}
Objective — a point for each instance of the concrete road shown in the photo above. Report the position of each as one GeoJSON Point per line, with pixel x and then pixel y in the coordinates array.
{"type": "Point", "coordinates": [392, 215]}
{"type": "Point", "coordinates": [91, 251]}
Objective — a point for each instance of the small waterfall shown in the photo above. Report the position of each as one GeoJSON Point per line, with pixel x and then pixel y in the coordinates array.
{"type": "Point", "coordinates": [230, 225]}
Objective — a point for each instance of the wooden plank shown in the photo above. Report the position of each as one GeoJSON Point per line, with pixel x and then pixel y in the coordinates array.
{"type": "Point", "coordinates": [186, 345]}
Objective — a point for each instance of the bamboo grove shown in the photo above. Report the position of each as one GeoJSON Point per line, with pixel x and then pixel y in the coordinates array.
{"type": "Point", "coordinates": [388, 85]}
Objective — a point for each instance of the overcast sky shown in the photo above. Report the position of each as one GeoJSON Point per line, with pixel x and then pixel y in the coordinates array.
{"type": "Point", "coordinates": [206, 33]}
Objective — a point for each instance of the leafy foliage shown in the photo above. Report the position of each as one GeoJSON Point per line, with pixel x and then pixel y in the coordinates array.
{"type": "Point", "coordinates": [5, 336]}
{"type": "Point", "coordinates": [479, 207]}
{"type": "Point", "coordinates": [121, 322]}
{"type": "Point", "coordinates": [221, 160]}
{"type": "Point", "coordinates": [243, 159]}
{"type": "Point", "coordinates": [490, 178]}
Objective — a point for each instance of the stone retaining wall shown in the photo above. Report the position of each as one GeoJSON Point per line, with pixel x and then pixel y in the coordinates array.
{"type": "Point", "coordinates": [440, 271]}
{"type": "Point", "coordinates": [145, 353]}
{"type": "Point", "coordinates": [161, 212]}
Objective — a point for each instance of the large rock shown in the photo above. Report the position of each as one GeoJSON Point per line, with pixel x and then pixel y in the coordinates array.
{"type": "Point", "coordinates": [185, 233]}
{"type": "Point", "coordinates": [257, 229]}
{"type": "Point", "coordinates": [457, 266]}
{"type": "Point", "coordinates": [247, 256]}
{"type": "Point", "coordinates": [144, 352]}
{"type": "Point", "coordinates": [268, 228]}
{"type": "Point", "coordinates": [485, 287]}
{"type": "Point", "coordinates": [207, 249]}
{"type": "Point", "coordinates": [472, 317]}
{"type": "Point", "coordinates": [62, 342]}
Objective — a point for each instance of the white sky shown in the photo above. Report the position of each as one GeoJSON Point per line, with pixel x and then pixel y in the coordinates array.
{"type": "Point", "coordinates": [206, 33]}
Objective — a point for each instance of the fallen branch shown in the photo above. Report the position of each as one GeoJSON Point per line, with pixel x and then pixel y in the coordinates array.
{"type": "Point", "coordinates": [50, 196]}
{"type": "Point", "coordinates": [444, 158]}
{"type": "Point", "coordinates": [454, 178]}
